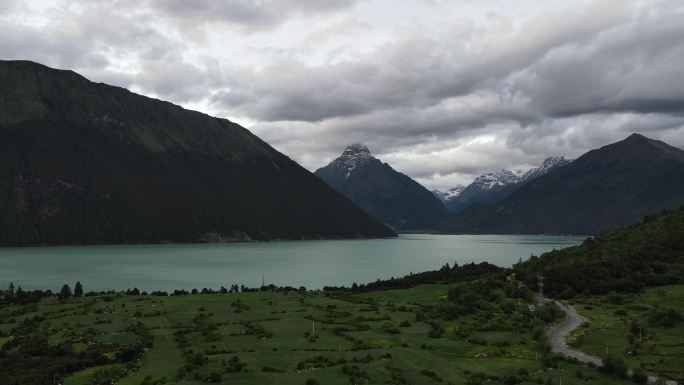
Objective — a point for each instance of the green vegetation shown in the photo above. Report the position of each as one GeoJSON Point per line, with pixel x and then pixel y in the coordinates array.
{"type": "Point", "coordinates": [468, 324]}
{"type": "Point", "coordinates": [644, 330]}
{"type": "Point", "coordinates": [472, 332]}
{"type": "Point", "coordinates": [625, 260]}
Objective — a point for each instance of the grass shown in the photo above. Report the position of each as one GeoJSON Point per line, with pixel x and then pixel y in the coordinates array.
{"type": "Point", "coordinates": [273, 335]}
{"type": "Point", "coordinates": [657, 349]}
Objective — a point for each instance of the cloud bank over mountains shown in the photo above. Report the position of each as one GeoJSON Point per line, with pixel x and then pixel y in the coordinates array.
{"type": "Point", "coordinates": [442, 90]}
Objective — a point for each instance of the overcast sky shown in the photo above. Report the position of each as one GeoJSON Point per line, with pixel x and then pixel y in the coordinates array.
{"type": "Point", "coordinates": [441, 90]}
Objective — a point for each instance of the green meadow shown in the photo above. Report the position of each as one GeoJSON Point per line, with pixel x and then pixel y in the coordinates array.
{"type": "Point", "coordinates": [381, 337]}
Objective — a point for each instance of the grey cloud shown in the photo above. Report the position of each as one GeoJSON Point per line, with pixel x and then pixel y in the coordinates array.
{"type": "Point", "coordinates": [8, 5]}
{"type": "Point", "coordinates": [245, 13]}
{"type": "Point", "coordinates": [414, 71]}
{"type": "Point", "coordinates": [93, 38]}
{"type": "Point", "coordinates": [175, 79]}
{"type": "Point", "coordinates": [442, 107]}
{"type": "Point", "coordinates": [634, 67]}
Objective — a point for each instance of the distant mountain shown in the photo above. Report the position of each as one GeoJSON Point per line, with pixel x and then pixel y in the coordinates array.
{"type": "Point", "coordinates": [390, 196]}
{"type": "Point", "coordinates": [87, 163]}
{"type": "Point", "coordinates": [605, 188]}
{"type": "Point", "coordinates": [493, 187]}
{"type": "Point", "coordinates": [450, 194]}
{"type": "Point", "coordinates": [547, 166]}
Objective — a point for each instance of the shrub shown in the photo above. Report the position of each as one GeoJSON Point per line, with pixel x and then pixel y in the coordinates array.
{"type": "Point", "coordinates": [639, 376]}
{"type": "Point", "coordinates": [615, 365]}
{"type": "Point", "coordinates": [664, 317]}
{"type": "Point", "coordinates": [431, 374]}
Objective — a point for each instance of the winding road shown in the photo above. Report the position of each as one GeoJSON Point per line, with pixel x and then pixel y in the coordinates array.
{"type": "Point", "coordinates": [558, 333]}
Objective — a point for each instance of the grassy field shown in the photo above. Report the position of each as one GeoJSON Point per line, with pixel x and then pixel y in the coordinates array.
{"type": "Point", "coordinates": [299, 338]}
{"type": "Point", "coordinates": [628, 326]}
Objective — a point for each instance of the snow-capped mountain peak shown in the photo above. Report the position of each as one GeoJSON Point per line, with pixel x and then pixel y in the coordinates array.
{"type": "Point", "coordinates": [546, 166]}
{"type": "Point", "coordinates": [353, 156]}
{"type": "Point", "coordinates": [450, 194]}
{"type": "Point", "coordinates": [498, 178]}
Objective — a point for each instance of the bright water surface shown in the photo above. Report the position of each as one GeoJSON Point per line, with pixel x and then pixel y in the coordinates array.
{"type": "Point", "coordinates": [313, 264]}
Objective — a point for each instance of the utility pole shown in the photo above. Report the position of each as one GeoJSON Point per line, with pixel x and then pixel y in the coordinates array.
{"type": "Point", "coordinates": [313, 328]}
{"type": "Point", "coordinates": [540, 279]}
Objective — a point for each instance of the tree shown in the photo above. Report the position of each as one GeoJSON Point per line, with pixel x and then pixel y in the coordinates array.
{"type": "Point", "coordinates": [78, 290]}
{"type": "Point", "coordinates": [65, 293]}
{"type": "Point", "coordinates": [10, 291]}
{"type": "Point", "coordinates": [20, 294]}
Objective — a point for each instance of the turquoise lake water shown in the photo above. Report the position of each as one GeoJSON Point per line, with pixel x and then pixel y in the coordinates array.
{"type": "Point", "coordinates": [313, 264]}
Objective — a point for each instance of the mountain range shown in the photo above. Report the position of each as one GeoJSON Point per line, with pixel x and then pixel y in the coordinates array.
{"type": "Point", "coordinates": [492, 187]}
{"type": "Point", "coordinates": [86, 163]}
{"type": "Point", "coordinates": [605, 188]}
{"type": "Point", "coordinates": [392, 197]}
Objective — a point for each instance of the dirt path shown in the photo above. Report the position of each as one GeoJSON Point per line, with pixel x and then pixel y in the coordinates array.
{"type": "Point", "coordinates": [558, 333]}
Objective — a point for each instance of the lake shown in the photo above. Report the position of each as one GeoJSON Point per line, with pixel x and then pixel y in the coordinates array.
{"type": "Point", "coordinates": [313, 264]}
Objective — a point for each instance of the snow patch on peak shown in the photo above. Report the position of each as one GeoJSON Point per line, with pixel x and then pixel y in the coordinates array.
{"type": "Point", "coordinates": [505, 177]}
{"type": "Point", "coordinates": [354, 155]}
{"type": "Point", "coordinates": [547, 166]}
{"type": "Point", "coordinates": [356, 148]}
{"type": "Point", "coordinates": [452, 193]}
{"type": "Point", "coordinates": [499, 178]}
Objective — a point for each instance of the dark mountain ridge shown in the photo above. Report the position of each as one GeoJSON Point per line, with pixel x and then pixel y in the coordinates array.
{"type": "Point", "coordinates": [87, 163]}
{"type": "Point", "coordinates": [605, 188]}
{"type": "Point", "coordinates": [392, 197]}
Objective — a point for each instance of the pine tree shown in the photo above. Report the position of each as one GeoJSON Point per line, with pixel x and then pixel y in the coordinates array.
{"type": "Point", "coordinates": [20, 294]}
{"type": "Point", "coordinates": [65, 293]}
{"type": "Point", "coordinates": [78, 290]}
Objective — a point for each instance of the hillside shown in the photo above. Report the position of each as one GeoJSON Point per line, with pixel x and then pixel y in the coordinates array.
{"type": "Point", "coordinates": [605, 188]}
{"type": "Point", "coordinates": [392, 197]}
{"type": "Point", "coordinates": [646, 254]}
{"type": "Point", "coordinates": [92, 163]}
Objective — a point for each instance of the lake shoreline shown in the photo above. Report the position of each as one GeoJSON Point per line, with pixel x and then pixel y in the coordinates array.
{"type": "Point", "coordinates": [291, 263]}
